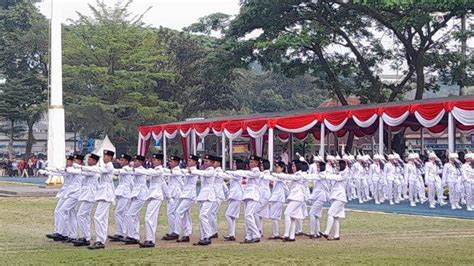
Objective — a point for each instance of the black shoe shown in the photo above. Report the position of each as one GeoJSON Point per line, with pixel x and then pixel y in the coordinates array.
{"type": "Point", "coordinates": [203, 242]}
{"type": "Point", "coordinates": [334, 239]}
{"type": "Point", "coordinates": [147, 244]}
{"type": "Point", "coordinates": [324, 235]}
{"type": "Point", "coordinates": [60, 238]}
{"type": "Point", "coordinates": [300, 234]}
{"type": "Point", "coordinates": [275, 238]}
{"type": "Point", "coordinates": [69, 240]}
{"type": "Point", "coordinates": [214, 236]}
{"type": "Point", "coordinates": [117, 238]}
{"type": "Point", "coordinates": [314, 236]}
{"type": "Point", "coordinates": [183, 239]}
{"type": "Point", "coordinates": [287, 239]}
{"type": "Point", "coordinates": [255, 240]}
{"type": "Point", "coordinates": [52, 236]}
{"type": "Point", "coordinates": [131, 241]}
{"type": "Point", "coordinates": [247, 241]}
{"type": "Point", "coordinates": [97, 245]}
{"type": "Point", "coordinates": [229, 238]}
{"type": "Point", "coordinates": [172, 236]}
{"type": "Point", "coordinates": [81, 242]}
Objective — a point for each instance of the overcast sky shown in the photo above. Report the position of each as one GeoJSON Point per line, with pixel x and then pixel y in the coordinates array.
{"type": "Point", "coordinates": [174, 14]}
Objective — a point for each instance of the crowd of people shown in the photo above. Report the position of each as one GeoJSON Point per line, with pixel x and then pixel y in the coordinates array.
{"type": "Point", "coordinates": [288, 194]}
{"type": "Point", "coordinates": [21, 167]}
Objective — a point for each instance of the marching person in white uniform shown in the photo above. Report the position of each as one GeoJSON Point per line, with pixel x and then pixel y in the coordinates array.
{"type": "Point", "coordinates": [433, 180]}
{"type": "Point", "coordinates": [338, 199]}
{"type": "Point", "coordinates": [412, 177]}
{"type": "Point", "coordinates": [188, 197]}
{"type": "Point", "coordinates": [318, 197]}
{"type": "Point", "coordinates": [263, 209]}
{"type": "Point", "coordinates": [137, 200]}
{"type": "Point", "coordinates": [104, 197]}
{"type": "Point", "coordinates": [206, 198]}
{"type": "Point", "coordinates": [61, 232]}
{"type": "Point", "coordinates": [221, 190]}
{"type": "Point", "coordinates": [156, 194]}
{"type": "Point", "coordinates": [359, 173]}
{"type": "Point", "coordinates": [123, 192]}
{"type": "Point", "coordinates": [468, 180]}
{"type": "Point", "coordinates": [390, 176]}
{"type": "Point", "coordinates": [175, 184]}
{"type": "Point", "coordinates": [87, 199]}
{"type": "Point", "coordinates": [251, 199]}
{"type": "Point", "coordinates": [452, 177]}
{"type": "Point", "coordinates": [236, 193]}
{"type": "Point", "coordinates": [376, 176]}
{"type": "Point", "coordinates": [277, 199]}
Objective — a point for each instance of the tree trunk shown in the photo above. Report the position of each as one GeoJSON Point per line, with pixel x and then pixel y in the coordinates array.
{"type": "Point", "coordinates": [398, 142]}
{"type": "Point", "coordinates": [10, 141]}
{"type": "Point", "coordinates": [31, 138]}
{"type": "Point", "coordinates": [420, 76]}
{"type": "Point", "coordinates": [350, 142]}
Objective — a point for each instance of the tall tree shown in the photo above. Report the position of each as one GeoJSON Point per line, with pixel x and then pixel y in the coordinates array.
{"type": "Point", "coordinates": [113, 74]}
{"type": "Point", "coordinates": [23, 62]}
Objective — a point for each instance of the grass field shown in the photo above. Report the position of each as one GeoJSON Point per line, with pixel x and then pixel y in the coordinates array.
{"type": "Point", "coordinates": [367, 238]}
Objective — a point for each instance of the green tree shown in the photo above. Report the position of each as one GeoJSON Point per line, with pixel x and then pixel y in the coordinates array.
{"type": "Point", "coordinates": [23, 62]}
{"type": "Point", "coordinates": [114, 71]}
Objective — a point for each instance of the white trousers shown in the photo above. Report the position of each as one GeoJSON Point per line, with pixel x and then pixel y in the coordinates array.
{"type": "Point", "coordinates": [454, 194]}
{"type": "Point", "coordinates": [213, 217]}
{"type": "Point", "coordinates": [204, 216]}
{"type": "Point", "coordinates": [151, 219]}
{"type": "Point", "coordinates": [434, 190]}
{"type": "Point", "coordinates": [412, 191]}
{"type": "Point", "coordinates": [133, 218]}
{"type": "Point", "coordinates": [58, 223]}
{"type": "Point", "coordinates": [172, 206]}
{"type": "Point", "coordinates": [332, 225]}
{"type": "Point", "coordinates": [68, 215]}
{"type": "Point", "coordinates": [290, 226]}
{"type": "Point", "coordinates": [185, 223]}
{"type": "Point", "coordinates": [101, 220]}
{"type": "Point", "coordinates": [468, 187]}
{"type": "Point", "coordinates": [251, 228]}
{"type": "Point", "coordinates": [120, 215]}
{"type": "Point", "coordinates": [84, 219]}
{"type": "Point", "coordinates": [314, 214]}
{"type": "Point", "coordinates": [390, 190]}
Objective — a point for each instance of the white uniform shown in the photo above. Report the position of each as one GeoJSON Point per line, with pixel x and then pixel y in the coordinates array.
{"type": "Point", "coordinates": [175, 184]}
{"type": "Point", "coordinates": [390, 176]}
{"type": "Point", "coordinates": [412, 177]}
{"type": "Point", "coordinates": [235, 198]}
{"type": "Point", "coordinates": [263, 208]}
{"type": "Point", "coordinates": [187, 198]}
{"type": "Point", "coordinates": [104, 196]}
{"type": "Point", "coordinates": [220, 194]}
{"type": "Point", "coordinates": [68, 212]}
{"type": "Point", "coordinates": [251, 199]}
{"type": "Point", "coordinates": [87, 199]}
{"type": "Point", "coordinates": [123, 192]}
{"type": "Point", "coordinates": [156, 194]}
{"type": "Point", "coordinates": [137, 199]}
{"type": "Point", "coordinates": [338, 200]}
{"type": "Point", "coordinates": [318, 197]}
{"type": "Point", "coordinates": [434, 183]}
{"type": "Point", "coordinates": [277, 199]}
{"type": "Point", "coordinates": [468, 176]}
{"type": "Point", "coordinates": [359, 173]}
{"type": "Point", "coordinates": [206, 199]}
{"type": "Point", "coordinates": [452, 177]}
{"type": "Point", "coordinates": [376, 176]}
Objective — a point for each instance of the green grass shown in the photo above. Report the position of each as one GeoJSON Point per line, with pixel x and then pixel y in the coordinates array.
{"type": "Point", "coordinates": [367, 238]}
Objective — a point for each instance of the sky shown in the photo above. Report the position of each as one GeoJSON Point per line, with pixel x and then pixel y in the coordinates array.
{"type": "Point", "coordinates": [174, 14]}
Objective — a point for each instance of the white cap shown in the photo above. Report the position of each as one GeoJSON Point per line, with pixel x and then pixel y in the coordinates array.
{"type": "Point", "coordinates": [417, 156]}
{"type": "Point", "coordinates": [391, 157]}
{"type": "Point", "coordinates": [432, 155]}
{"type": "Point", "coordinates": [453, 156]}
{"type": "Point", "coordinates": [360, 157]}
{"type": "Point", "coordinates": [378, 157]}
{"type": "Point", "coordinates": [397, 156]}
{"type": "Point", "coordinates": [366, 157]}
{"type": "Point", "coordinates": [316, 158]}
{"type": "Point", "coordinates": [345, 157]}
{"type": "Point", "coordinates": [330, 158]}
{"type": "Point", "coordinates": [338, 157]}
{"type": "Point", "coordinates": [469, 156]}
{"type": "Point", "coordinates": [412, 156]}
{"type": "Point", "coordinates": [351, 157]}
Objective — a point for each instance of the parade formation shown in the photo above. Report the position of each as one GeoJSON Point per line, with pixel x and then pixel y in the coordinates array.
{"type": "Point", "coordinates": [287, 195]}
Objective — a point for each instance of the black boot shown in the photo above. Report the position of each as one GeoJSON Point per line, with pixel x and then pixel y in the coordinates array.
{"type": "Point", "coordinates": [147, 244]}
{"type": "Point", "coordinates": [131, 241]}
{"type": "Point", "coordinates": [81, 242]}
{"type": "Point", "coordinates": [97, 245]}
{"type": "Point", "coordinates": [183, 239]}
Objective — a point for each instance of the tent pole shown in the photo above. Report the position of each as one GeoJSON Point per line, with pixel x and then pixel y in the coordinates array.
{"type": "Point", "coordinates": [270, 147]}
{"type": "Point", "coordinates": [223, 150]}
{"type": "Point", "coordinates": [381, 136]}
{"type": "Point", "coordinates": [321, 140]}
